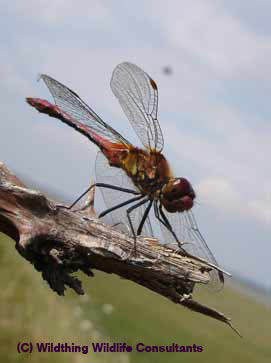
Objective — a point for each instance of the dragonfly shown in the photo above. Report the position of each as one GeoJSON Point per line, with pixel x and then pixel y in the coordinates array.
{"type": "Point", "coordinates": [142, 172]}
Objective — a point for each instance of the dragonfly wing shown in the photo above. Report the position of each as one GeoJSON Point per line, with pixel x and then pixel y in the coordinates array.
{"type": "Point", "coordinates": [185, 227]}
{"type": "Point", "coordinates": [69, 102]}
{"type": "Point", "coordinates": [137, 94]}
{"type": "Point", "coordinates": [117, 177]}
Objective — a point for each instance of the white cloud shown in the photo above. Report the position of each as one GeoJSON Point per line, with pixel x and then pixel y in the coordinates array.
{"type": "Point", "coordinates": [261, 211]}
{"type": "Point", "coordinates": [205, 30]}
{"type": "Point", "coordinates": [63, 13]}
{"type": "Point", "coordinates": [219, 193]}
{"type": "Point", "coordinates": [11, 80]}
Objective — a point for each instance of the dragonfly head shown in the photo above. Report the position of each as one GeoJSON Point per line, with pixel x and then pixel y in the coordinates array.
{"type": "Point", "coordinates": [178, 195]}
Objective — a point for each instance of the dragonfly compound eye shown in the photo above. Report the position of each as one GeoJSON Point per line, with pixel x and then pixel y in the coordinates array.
{"type": "Point", "coordinates": [178, 195]}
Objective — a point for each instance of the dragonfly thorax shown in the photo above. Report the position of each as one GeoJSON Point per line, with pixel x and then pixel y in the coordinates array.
{"type": "Point", "coordinates": [177, 195]}
{"type": "Point", "coordinates": [149, 171]}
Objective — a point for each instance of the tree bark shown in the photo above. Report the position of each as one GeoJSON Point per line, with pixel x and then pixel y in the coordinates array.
{"type": "Point", "coordinates": [59, 242]}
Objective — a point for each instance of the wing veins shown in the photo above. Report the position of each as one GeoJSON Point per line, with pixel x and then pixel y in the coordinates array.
{"type": "Point", "coordinates": [75, 107]}
{"type": "Point", "coordinates": [138, 97]}
{"type": "Point", "coordinates": [148, 129]}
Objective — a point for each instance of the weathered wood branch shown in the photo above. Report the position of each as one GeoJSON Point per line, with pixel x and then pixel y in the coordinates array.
{"type": "Point", "coordinates": [59, 242]}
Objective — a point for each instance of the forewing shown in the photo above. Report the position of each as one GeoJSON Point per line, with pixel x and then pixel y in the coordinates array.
{"type": "Point", "coordinates": [117, 177]}
{"type": "Point", "coordinates": [137, 94]}
{"type": "Point", "coordinates": [69, 102]}
{"type": "Point", "coordinates": [185, 226]}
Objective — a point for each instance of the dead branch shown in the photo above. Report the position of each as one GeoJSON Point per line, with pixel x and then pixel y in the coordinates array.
{"type": "Point", "coordinates": [59, 242]}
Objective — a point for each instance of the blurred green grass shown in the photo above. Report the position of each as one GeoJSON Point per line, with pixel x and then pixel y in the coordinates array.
{"type": "Point", "coordinates": [117, 310]}
{"type": "Point", "coordinates": [31, 312]}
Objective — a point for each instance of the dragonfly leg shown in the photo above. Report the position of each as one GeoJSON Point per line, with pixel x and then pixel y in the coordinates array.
{"type": "Point", "coordinates": [143, 220]}
{"type": "Point", "coordinates": [163, 219]}
{"type": "Point", "coordinates": [109, 210]}
{"type": "Point", "coordinates": [102, 185]}
{"type": "Point", "coordinates": [128, 212]}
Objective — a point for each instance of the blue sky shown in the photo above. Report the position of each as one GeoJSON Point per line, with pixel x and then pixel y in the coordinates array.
{"type": "Point", "coordinates": [214, 109]}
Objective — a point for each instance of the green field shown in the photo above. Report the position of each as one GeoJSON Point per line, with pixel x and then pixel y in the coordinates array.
{"type": "Point", "coordinates": [116, 310]}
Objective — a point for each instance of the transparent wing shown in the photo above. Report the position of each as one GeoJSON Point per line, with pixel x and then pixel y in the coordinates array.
{"type": "Point", "coordinates": [185, 226]}
{"type": "Point", "coordinates": [137, 94]}
{"type": "Point", "coordinates": [69, 102]}
{"type": "Point", "coordinates": [115, 176]}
